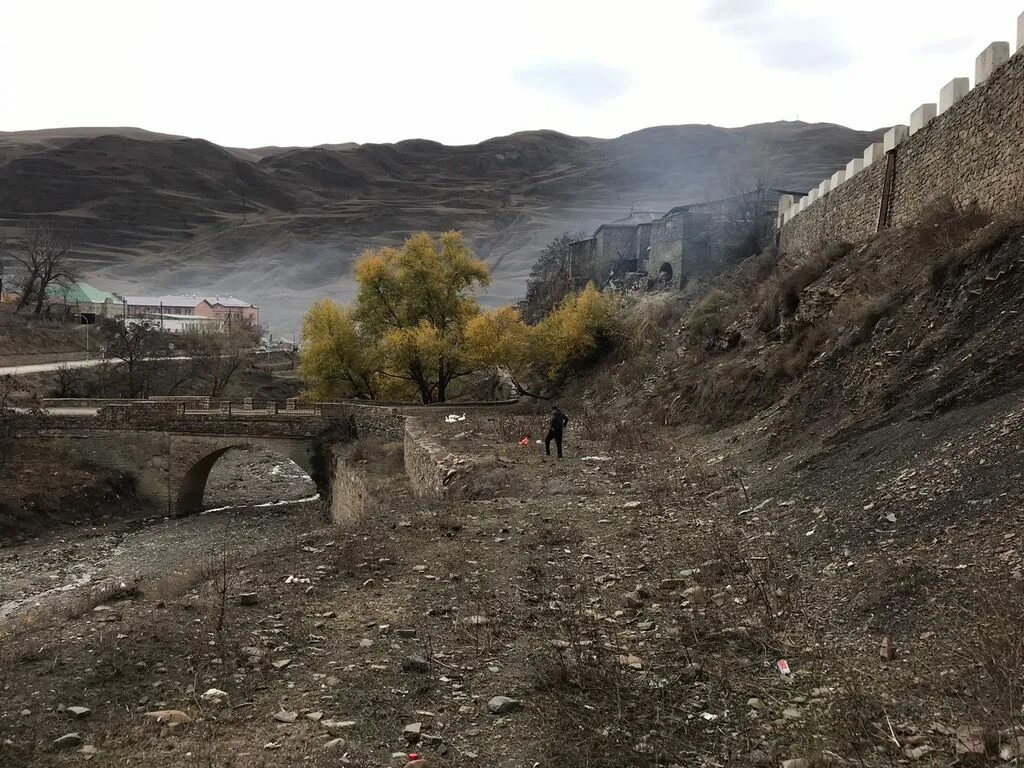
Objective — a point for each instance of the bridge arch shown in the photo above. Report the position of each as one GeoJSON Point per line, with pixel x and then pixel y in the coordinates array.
{"type": "Point", "coordinates": [195, 460]}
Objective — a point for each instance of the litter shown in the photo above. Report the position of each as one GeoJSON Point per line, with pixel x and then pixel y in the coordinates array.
{"type": "Point", "coordinates": [783, 666]}
{"type": "Point", "coordinates": [454, 417]}
{"type": "Point", "coordinates": [525, 441]}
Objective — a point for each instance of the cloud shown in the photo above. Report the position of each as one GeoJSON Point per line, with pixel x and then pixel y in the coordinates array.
{"type": "Point", "coordinates": [781, 41]}
{"type": "Point", "coordinates": [586, 84]}
{"type": "Point", "coordinates": [943, 47]}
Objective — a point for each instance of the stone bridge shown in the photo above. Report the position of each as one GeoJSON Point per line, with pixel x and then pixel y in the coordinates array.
{"type": "Point", "coordinates": [170, 447]}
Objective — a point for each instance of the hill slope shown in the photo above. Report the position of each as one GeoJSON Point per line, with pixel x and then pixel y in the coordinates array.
{"type": "Point", "coordinates": [282, 225]}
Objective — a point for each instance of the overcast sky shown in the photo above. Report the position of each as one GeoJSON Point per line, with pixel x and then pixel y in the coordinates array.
{"type": "Point", "coordinates": [257, 72]}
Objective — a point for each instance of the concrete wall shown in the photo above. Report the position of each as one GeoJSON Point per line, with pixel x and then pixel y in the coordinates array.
{"type": "Point", "coordinates": [972, 152]}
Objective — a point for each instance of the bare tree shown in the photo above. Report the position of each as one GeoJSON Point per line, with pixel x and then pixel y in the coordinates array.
{"type": "Point", "coordinates": [219, 356]}
{"type": "Point", "coordinates": [747, 177]}
{"type": "Point", "coordinates": [69, 381]}
{"type": "Point", "coordinates": [133, 344]}
{"type": "Point", "coordinates": [45, 262]}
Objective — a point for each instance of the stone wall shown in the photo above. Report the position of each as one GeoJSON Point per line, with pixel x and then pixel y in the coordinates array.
{"type": "Point", "coordinates": [431, 469]}
{"type": "Point", "coordinates": [971, 152]}
{"type": "Point", "coordinates": [849, 212]}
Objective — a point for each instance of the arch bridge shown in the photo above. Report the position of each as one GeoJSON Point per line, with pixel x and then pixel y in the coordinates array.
{"type": "Point", "coordinates": [170, 447]}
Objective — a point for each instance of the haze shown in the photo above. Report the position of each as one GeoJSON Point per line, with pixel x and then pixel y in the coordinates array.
{"type": "Point", "coordinates": [251, 74]}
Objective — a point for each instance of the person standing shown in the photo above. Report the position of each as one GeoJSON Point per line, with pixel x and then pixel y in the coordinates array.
{"type": "Point", "coordinates": [558, 422]}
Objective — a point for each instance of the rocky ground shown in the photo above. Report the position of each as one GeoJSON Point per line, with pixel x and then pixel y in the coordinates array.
{"type": "Point", "coordinates": [631, 605]}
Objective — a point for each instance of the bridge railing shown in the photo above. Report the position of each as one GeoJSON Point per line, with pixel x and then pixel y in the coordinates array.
{"type": "Point", "coordinates": [249, 405]}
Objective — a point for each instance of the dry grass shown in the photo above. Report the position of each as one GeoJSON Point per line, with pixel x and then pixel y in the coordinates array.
{"type": "Point", "coordinates": [779, 296]}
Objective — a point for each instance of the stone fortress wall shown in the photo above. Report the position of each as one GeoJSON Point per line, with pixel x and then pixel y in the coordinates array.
{"type": "Point", "coordinates": [968, 146]}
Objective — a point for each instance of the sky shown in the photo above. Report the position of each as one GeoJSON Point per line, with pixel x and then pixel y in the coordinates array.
{"type": "Point", "coordinates": [268, 72]}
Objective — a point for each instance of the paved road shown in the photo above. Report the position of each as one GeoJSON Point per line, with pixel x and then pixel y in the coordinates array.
{"type": "Point", "coordinates": [21, 370]}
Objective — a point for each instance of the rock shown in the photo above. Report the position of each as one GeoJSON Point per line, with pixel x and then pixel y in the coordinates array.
{"type": "Point", "coordinates": [1014, 747]}
{"type": "Point", "coordinates": [696, 595]}
{"type": "Point", "coordinates": [916, 753]}
{"type": "Point", "coordinates": [248, 598]}
{"type": "Point", "coordinates": [503, 705]}
{"type": "Point", "coordinates": [25, 713]}
{"type": "Point", "coordinates": [335, 744]}
{"type": "Point", "coordinates": [791, 713]}
{"type": "Point", "coordinates": [316, 717]}
{"type": "Point", "coordinates": [418, 763]}
{"type": "Point", "coordinates": [285, 716]}
{"type": "Point", "coordinates": [170, 716]}
{"type": "Point", "coordinates": [632, 505]}
{"type": "Point", "coordinates": [416, 664]}
{"type": "Point", "coordinates": [280, 663]}
{"type": "Point", "coordinates": [214, 696]}
{"type": "Point", "coordinates": [796, 762]}
{"type": "Point", "coordinates": [89, 751]}
{"type": "Point", "coordinates": [669, 584]}
{"type": "Point", "coordinates": [335, 727]}
{"type": "Point", "coordinates": [406, 632]}
{"type": "Point", "coordinates": [68, 741]}
{"type": "Point", "coordinates": [78, 712]}
{"type": "Point", "coordinates": [886, 651]}
{"type": "Point", "coordinates": [365, 643]}
{"type": "Point", "coordinates": [272, 745]}
{"type": "Point", "coordinates": [755, 703]}
{"type": "Point", "coordinates": [633, 601]}
{"type": "Point", "coordinates": [411, 732]}
{"type": "Point", "coordinates": [631, 661]}
{"type": "Point", "coordinates": [969, 745]}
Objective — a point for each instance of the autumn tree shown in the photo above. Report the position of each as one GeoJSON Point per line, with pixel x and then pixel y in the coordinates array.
{"type": "Point", "coordinates": [406, 326]}
{"type": "Point", "coordinates": [539, 357]}
{"type": "Point", "coordinates": [337, 360]}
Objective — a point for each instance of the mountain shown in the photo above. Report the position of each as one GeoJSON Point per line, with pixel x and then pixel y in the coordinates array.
{"type": "Point", "coordinates": [282, 225]}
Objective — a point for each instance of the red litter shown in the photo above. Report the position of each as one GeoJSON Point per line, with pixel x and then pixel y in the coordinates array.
{"type": "Point", "coordinates": [783, 666]}
{"type": "Point", "coordinates": [414, 756]}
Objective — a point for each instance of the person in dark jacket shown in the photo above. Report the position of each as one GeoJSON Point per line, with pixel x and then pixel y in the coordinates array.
{"type": "Point", "coordinates": [558, 422]}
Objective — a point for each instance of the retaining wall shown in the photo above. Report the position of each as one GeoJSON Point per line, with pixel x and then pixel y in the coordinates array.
{"type": "Point", "coordinates": [431, 469]}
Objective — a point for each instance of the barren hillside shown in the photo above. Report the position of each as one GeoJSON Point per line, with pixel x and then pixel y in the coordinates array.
{"type": "Point", "coordinates": [282, 225]}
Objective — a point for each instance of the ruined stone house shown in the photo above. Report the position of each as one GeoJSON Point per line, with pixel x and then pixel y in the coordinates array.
{"type": "Point", "coordinates": [689, 241]}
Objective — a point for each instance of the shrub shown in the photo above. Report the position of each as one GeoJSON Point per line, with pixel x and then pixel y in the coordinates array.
{"type": "Point", "coordinates": [711, 316]}
{"type": "Point", "coordinates": [780, 296]}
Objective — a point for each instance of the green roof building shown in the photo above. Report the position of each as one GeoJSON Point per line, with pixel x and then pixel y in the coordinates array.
{"type": "Point", "coordinates": [83, 293]}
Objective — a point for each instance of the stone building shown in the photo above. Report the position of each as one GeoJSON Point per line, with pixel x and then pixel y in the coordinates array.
{"type": "Point", "coordinates": [688, 242]}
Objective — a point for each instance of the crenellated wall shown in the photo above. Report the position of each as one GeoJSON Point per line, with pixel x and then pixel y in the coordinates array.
{"type": "Point", "coordinates": [968, 146]}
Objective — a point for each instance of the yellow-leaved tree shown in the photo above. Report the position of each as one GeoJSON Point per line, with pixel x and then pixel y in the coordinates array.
{"type": "Point", "coordinates": [405, 333]}
{"type": "Point", "coordinates": [337, 361]}
{"type": "Point", "coordinates": [565, 340]}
